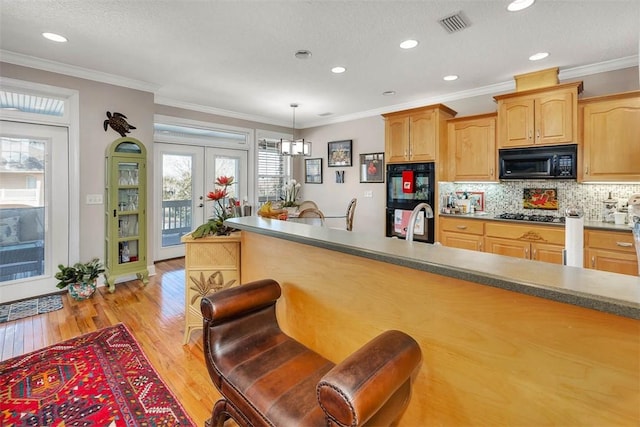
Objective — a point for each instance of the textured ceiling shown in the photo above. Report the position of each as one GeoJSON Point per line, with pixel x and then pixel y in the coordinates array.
{"type": "Point", "coordinates": [237, 57]}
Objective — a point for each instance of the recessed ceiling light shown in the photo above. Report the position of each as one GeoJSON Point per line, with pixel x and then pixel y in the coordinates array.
{"type": "Point", "coordinates": [517, 5]}
{"type": "Point", "coordinates": [538, 56]}
{"type": "Point", "coordinates": [303, 54]}
{"type": "Point", "coordinates": [409, 44]}
{"type": "Point", "coordinates": [338, 70]}
{"type": "Point", "coordinates": [54, 37]}
{"type": "Point", "coordinates": [450, 78]}
{"type": "Point", "coordinates": [389, 92]}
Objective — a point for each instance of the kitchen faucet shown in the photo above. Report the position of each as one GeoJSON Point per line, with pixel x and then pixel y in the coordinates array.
{"type": "Point", "coordinates": [414, 217]}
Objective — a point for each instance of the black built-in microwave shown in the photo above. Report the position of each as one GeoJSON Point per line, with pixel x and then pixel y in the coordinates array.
{"type": "Point", "coordinates": [550, 162]}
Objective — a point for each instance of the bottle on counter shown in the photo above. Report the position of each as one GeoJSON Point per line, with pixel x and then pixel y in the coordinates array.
{"type": "Point", "coordinates": [609, 209]}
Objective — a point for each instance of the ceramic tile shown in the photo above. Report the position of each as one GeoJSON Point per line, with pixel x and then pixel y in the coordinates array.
{"type": "Point", "coordinates": [507, 195]}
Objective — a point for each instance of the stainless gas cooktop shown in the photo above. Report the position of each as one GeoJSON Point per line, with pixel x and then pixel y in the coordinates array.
{"type": "Point", "coordinates": [531, 217]}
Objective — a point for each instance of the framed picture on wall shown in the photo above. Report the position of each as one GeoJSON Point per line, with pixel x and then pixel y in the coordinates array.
{"type": "Point", "coordinates": [340, 153]}
{"type": "Point", "coordinates": [372, 167]}
{"type": "Point", "coordinates": [313, 171]}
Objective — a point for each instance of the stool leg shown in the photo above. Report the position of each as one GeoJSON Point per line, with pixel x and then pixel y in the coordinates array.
{"type": "Point", "coordinates": [219, 414]}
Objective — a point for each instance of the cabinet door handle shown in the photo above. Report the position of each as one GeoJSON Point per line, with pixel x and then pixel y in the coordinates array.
{"type": "Point", "coordinates": [480, 246]}
{"type": "Point", "coordinates": [534, 254]}
{"type": "Point", "coordinates": [526, 253]}
{"type": "Point", "coordinates": [593, 262]}
{"type": "Point", "coordinates": [538, 134]}
{"type": "Point", "coordinates": [491, 172]}
{"type": "Point", "coordinates": [624, 244]}
{"type": "Point", "coordinates": [586, 170]}
{"type": "Point", "coordinates": [461, 227]}
{"type": "Point", "coordinates": [530, 134]}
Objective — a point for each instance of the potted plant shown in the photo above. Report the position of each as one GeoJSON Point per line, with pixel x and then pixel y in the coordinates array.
{"type": "Point", "coordinates": [291, 194]}
{"type": "Point", "coordinates": [215, 224]}
{"type": "Point", "coordinates": [80, 278]}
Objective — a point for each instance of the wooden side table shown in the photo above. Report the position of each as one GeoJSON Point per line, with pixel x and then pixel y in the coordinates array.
{"type": "Point", "coordinates": [211, 263]}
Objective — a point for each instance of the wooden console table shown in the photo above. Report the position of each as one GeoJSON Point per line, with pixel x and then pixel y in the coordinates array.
{"type": "Point", "coordinates": [211, 263]}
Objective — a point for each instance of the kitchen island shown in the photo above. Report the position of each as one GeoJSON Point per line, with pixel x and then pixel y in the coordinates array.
{"type": "Point", "coordinates": [505, 341]}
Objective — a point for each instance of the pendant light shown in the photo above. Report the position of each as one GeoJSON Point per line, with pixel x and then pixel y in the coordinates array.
{"type": "Point", "coordinates": [294, 147]}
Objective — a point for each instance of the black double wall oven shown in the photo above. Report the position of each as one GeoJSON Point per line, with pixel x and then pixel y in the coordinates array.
{"type": "Point", "coordinates": [407, 186]}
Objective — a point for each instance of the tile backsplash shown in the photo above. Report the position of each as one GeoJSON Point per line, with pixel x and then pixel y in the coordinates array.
{"type": "Point", "coordinates": [506, 196]}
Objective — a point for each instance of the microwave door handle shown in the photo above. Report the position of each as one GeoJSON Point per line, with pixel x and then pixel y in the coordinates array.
{"type": "Point", "coordinates": [554, 165]}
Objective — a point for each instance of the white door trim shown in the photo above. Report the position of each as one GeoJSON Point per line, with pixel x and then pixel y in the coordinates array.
{"type": "Point", "coordinates": [71, 120]}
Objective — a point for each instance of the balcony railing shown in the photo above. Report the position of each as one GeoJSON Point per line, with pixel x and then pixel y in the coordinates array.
{"type": "Point", "coordinates": [177, 221]}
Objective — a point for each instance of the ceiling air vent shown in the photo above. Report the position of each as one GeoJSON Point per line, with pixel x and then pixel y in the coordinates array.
{"type": "Point", "coordinates": [453, 23]}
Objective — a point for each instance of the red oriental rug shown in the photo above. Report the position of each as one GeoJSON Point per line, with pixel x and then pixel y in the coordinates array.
{"type": "Point", "coordinates": [99, 379]}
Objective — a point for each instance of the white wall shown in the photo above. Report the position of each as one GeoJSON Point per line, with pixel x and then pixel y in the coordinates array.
{"type": "Point", "coordinates": [332, 198]}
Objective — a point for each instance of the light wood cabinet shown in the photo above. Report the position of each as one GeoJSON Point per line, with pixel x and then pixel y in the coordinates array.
{"type": "Point", "coordinates": [611, 138]}
{"type": "Point", "coordinates": [526, 241]}
{"type": "Point", "coordinates": [546, 116]}
{"type": "Point", "coordinates": [611, 251]}
{"type": "Point", "coordinates": [211, 263]}
{"type": "Point", "coordinates": [417, 135]}
{"type": "Point", "coordinates": [472, 148]}
{"type": "Point", "coordinates": [462, 233]}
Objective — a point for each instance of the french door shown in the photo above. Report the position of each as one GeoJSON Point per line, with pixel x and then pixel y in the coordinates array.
{"type": "Point", "coordinates": [184, 175]}
{"type": "Point", "coordinates": [34, 208]}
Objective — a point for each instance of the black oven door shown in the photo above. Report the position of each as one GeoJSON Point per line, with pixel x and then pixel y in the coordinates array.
{"type": "Point", "coordinates": [422, 185]}
{"type": "Point", "coordinates": [397, 220]}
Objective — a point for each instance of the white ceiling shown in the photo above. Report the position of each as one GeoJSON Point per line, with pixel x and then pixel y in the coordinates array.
{"type": "Point", "coordinates": [237, 57]}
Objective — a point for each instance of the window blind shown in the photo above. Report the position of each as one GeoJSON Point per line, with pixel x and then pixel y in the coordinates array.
{"type": "Point", "coordinates": [271, 172]}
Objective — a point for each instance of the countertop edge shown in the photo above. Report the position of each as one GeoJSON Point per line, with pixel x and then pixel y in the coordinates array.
{"type": "Point", "coordinates": [623, 308]}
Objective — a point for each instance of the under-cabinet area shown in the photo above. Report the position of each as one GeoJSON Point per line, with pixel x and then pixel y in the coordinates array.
{"type": "Point", "coordinates": [607, 250]}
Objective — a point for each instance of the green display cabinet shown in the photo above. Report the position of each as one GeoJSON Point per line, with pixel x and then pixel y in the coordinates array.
{"type": "Point", "coordinates": [125, 215]}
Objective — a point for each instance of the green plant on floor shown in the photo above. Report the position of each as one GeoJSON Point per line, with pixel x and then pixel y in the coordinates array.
{"type": "Point", "coordinates": [80, 272]}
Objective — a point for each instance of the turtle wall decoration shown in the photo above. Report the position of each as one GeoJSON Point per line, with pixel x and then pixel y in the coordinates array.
{"type": "Point", "coordinates": [118, 122]}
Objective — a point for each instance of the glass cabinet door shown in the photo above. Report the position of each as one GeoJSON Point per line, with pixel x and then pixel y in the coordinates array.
{"type": "Point", "coordinates": [128, 212]}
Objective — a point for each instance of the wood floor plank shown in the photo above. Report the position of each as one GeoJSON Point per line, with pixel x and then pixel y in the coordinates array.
{"type": "Point", "coordinates": [155, 316]}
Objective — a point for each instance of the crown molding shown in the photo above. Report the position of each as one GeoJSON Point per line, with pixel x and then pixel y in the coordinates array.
{"type": "Point", "coordinates": [600, 67]}
{"type": "Point", "coordinates": [84, 73]}
{"type": "Point", "coordinates": [71, 70]}
{"type": "Point", "coordinates": [170, 102]}
{"type": "Point", "coordinates": [495, 89]}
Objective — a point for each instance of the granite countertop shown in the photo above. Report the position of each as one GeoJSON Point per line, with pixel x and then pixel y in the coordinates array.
{"type": "Point", "coordinates": [608, 292]}
{"type": "Point", "coordinates": [593, 225]}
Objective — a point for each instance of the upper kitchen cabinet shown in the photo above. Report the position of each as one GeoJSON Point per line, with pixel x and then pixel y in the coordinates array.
{"type": "Point", "coordinates": [472, 148]}
{"type": "Point", "coordinates": [545, 116]}
{"type": "Point", "coordinates": [611, 138]}
{"type": "Point", "coordinates": [417, 135]}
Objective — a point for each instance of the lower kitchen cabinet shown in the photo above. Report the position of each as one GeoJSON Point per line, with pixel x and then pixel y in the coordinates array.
{"type": "Point", "coordinates": [462, 233]}
{"type": "Point", "coordinates": [523, 249]}
{"type": "Point", "coordinates": [210, 264]}
{"type": "Point", "coordinates": [537, 243]}
{"type": "Point", "coordinates": [611, 251]}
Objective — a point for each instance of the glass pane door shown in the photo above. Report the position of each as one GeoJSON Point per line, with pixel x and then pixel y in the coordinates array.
{"type": "Point", "coordinates": [181, 203]}
{"type": "Point", "coordinates": [178, 193]}
{"type": "Point", "coordinates": [33, 197]}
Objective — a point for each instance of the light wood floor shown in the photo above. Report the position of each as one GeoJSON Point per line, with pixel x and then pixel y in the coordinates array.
{"type": "Point", "coordinates": [155, 316]}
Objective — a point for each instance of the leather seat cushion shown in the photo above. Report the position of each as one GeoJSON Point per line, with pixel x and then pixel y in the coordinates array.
{"type": "Point", "coordinates": [274, 376]}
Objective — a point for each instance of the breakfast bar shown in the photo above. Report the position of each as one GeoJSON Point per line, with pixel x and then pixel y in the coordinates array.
{"type": "Point", "coordinates": [505, 341]}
